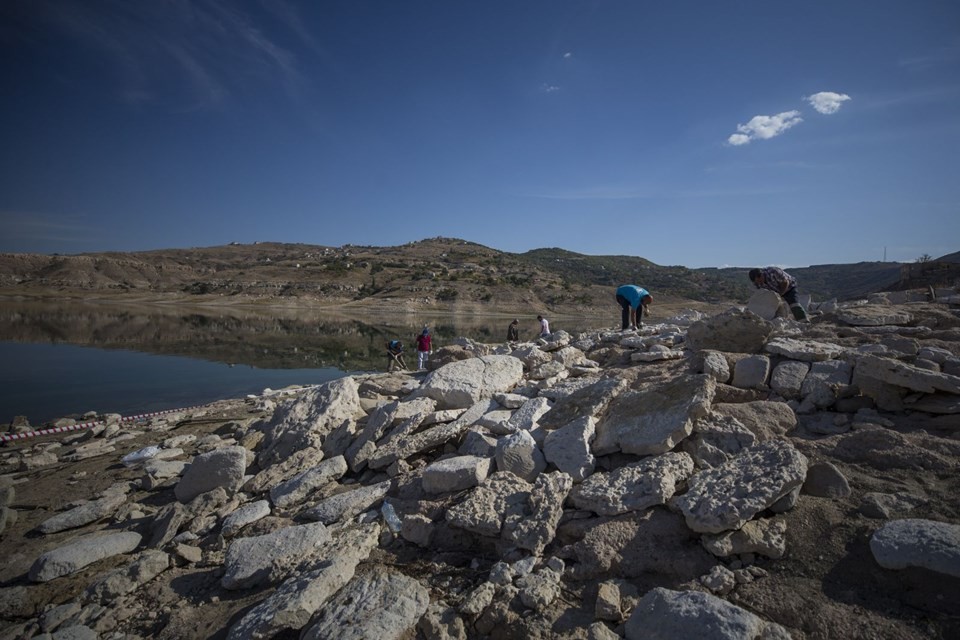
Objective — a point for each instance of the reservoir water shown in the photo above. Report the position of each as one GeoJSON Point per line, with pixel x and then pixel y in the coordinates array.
{"type": "Point", "coordinates": [67, 359]}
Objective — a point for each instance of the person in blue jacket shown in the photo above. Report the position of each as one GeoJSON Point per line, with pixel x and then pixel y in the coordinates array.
{"type": "Point", "coordinates": [633, 301]}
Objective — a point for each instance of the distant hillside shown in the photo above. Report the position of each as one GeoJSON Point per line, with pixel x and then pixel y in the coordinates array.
{"type": "Point", "coordinates": [436, 273]}
{"type": "Point", "coordinates": [950, 257]}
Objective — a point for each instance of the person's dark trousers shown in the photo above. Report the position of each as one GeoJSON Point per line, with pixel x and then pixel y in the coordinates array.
{"type": "Point", "coordinates": [799, 313]}
{"type": "Point", "coordinates": [624, 312]}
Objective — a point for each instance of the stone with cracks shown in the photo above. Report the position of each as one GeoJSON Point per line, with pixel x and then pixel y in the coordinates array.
{"type": "Point", "coordinates": [268, 558]}
{"type": "Point", "coordinates": [751, 372]}
{"type": "Point", "coordinates": [733, 331]}
{"type": "Point", "coordinates": [527, 417]}
{"type": "Point", "coordinates": [307, 420]}
{"type": "Point", "coordinates": [84, 514]}
{"type": "Point", "coordinates": [537, 529]}
{"type": "Point", "coordinates": [874, 316]}
{"type": "Point", "coordinates": [124, 580]}
{"type": "Point", "coordinates": [803, 350]}
{"type": "Point", "coordinates": [716, 439]}
{"type": "Point", "coordinates": [466, 382]}
{"type": "Point", "coordinates": [633, 487]}
{"type": "Point", "coordinates": [382, 604]}
{"type": "Point", "coordinates": [568, 448]}
{"type": "Point", "coordinates": [347, 504]}
{"type": "Point", "coordinates": [299, 487]}
{"type": "Point", "coordinates": [766, 536]}
{"type": "Point", "coordinates": [787, 378]}
{"type": "Point", "coordinates": [655, 419]}
{"type": "Point", "coordinates": [728, 496]}
{"type": "Point", "coordinates": [901, 374]}
{"type": "Point", "coordinates": [483, 511]}
{"type": "Point", "coordinates": [74, 556]}
{"type": "Point", "coordinates": [456, 474]}
{"type": "Point", "coordinates": [587, 399]}
{"type": "Point", "coordinates": [299, 597]}
{"type": "Point", "coordinates": [518, 453]}
{"type": "Point", "coordinates": [403, 447]}
{"type": "Point", "coordinates": [664, 614]}
{"type": "Point", "coordinates": [220, 468]}
{"type": "Point", "coordinates": [764, 418]}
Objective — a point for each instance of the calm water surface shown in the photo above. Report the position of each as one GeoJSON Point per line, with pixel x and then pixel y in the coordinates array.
{"type": "Point", "coordinates": [68, 359]}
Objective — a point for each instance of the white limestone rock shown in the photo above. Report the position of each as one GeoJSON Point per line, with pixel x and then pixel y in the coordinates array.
{"type": "Point", "coordinates": [381, 604]}
{"type": "Point", "coordinates": [74, 556]}
{"type": "Point", "coordinates": [656, 419]}
{"type": "Point", "coordinates": [220, 468]}
{"type": "Point", "coordinates": [664, 614]}
{"type": "Point", "coordinates": [726, 497]}
{"type": "Point", "coordinates": [633, 487]}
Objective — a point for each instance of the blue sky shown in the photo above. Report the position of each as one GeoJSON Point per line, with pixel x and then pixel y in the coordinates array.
{"type": "Point", "coordinates": [689, 133]}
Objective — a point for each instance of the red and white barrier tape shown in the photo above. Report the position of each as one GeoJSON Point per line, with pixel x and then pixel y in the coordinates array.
{"type": "Point", "coordinates": [8, 437]}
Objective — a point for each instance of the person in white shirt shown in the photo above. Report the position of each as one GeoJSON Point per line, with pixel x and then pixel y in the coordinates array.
{"type": "Point", "coordinates": [544, 326]}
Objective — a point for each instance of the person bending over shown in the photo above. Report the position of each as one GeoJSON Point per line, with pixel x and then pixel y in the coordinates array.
{"type": "Point", "coordinates": [777, 280]}
{"type": "Point", "coordinates": [633, 301]}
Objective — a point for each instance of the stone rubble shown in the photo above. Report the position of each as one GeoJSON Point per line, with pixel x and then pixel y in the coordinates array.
{"type": "Point", "coordinates": [673, 452]}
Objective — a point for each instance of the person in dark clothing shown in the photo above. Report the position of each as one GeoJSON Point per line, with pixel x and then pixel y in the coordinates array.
{"type": "Point", "coordinates": [513, 331]}
{"type": "Point", "coordinates": [779, 281]}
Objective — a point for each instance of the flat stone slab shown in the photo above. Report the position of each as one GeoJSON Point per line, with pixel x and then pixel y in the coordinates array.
{"type": "Point", "coordinates": [803, 350]}
{"type": "Point", "coordinates": [727, 496]}
{"type": "Point", "coordinates": [918, 543]}
{"type": "Point", "coordinates": [76, 555]}
{"type": "Point", "coordinates": [382, 604]}
{"type": "Point", "coordinates": [266, 558]}
{"type": "Point", "coordinates": [901, 374]}
{"type": "Point", "coordinates": [663, 614]}
{"type": "Point", "coordinates": [874, 316]}
{"type": "Point", "coordinates": [654, 420]}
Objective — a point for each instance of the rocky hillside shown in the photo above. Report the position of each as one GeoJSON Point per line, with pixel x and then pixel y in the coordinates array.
{"type": "Point", "coordinates": [438, 273]}
{"type": "Point", "coordinates": [736, 476]}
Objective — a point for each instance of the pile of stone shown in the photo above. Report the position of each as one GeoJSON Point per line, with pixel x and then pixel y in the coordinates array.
{"type": "Point", "coordinates": [654, 465]}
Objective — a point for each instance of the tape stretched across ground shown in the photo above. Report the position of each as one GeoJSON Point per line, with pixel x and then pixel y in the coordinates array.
{"type": "Point", "coordinates": [9, 437]}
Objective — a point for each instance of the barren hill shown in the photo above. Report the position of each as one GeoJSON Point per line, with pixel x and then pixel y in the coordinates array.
{"type": "Point", "coordinates": [436, 273]}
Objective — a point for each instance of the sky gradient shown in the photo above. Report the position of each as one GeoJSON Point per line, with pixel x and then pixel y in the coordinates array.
{"type": "Point", "coordinates": [689, 133]}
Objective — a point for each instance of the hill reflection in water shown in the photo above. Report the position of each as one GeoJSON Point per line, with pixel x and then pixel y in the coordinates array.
{"type": "Point", "coordinates": [274, 347]}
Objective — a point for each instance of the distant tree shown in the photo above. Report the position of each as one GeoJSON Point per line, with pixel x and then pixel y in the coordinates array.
{"type": "Point", "coordinates": [925, 258]}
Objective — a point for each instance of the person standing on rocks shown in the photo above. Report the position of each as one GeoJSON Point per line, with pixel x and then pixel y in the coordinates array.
{"type": "Point", "coordinates": [633, 301]}
{"type": "Point", "coordinates": [779, 281]}
{"type": "Point", "coordinates": [423, 349]}
{"type": "Point", "coordinates": [544, 326]}
{"type": "Point", "coordinates": [513, 331]}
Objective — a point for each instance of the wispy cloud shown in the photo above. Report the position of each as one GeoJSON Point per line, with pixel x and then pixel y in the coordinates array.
{"type": "Point", "coordinates": [200, 54]}
{"type": "Point", "coordinates": [21, 225]}
{"type": "Point", "coordinates": [944, 55]}
{"type": "Point", "coordinates": [764, 127]}
{"type": "Point", "coordinates": [827, 102]}
{"type": "Point", "coordinates": [549, 88]}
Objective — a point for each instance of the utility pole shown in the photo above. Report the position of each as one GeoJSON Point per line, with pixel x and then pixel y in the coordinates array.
{"type": "Point", "coordinates": [884, 254]}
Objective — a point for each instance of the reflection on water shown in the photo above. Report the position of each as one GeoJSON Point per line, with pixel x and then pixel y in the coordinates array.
{"type": "Point", "coordinates": [271, 346]}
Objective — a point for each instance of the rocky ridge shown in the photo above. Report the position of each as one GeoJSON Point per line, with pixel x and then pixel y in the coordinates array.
{"type": "Point", "coordinates": [730, 476]}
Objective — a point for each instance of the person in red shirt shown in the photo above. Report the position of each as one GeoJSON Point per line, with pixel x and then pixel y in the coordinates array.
{"type": "Point", "coordinates": [423, 348]}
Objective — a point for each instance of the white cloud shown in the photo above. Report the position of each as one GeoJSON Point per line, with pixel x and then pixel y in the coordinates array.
{"type": "Point", "coordinates": [827, 102]}
{"type": "Point", "coordinates": [764, 127]}
{"type": "Point", "coordinates": [549, 88]}
{"type": "Point", "coordinates": [568, 54]}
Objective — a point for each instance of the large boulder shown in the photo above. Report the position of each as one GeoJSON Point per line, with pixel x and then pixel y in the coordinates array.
{"type": "Point", "coordinates": [464, 383]}
{"type": "Point", "coordinates": [734, 330]}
